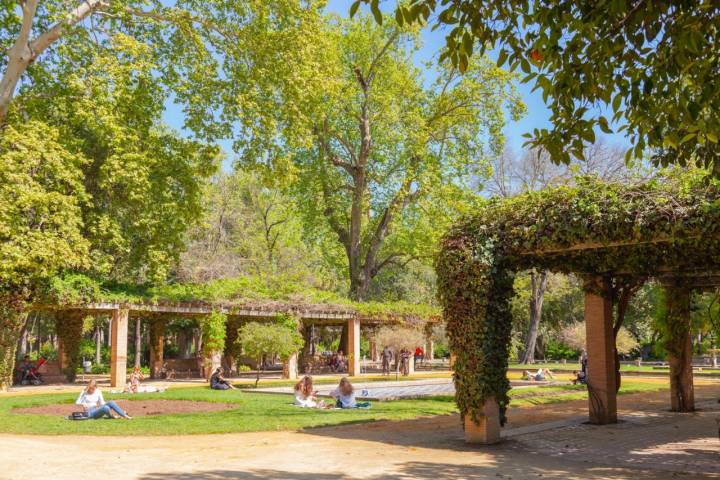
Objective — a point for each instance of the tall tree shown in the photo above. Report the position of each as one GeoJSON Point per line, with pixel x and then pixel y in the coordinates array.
{"type": "Point", "coordinates": [388, 146]}
{"type": "Point", "coordinates": [654, 64]}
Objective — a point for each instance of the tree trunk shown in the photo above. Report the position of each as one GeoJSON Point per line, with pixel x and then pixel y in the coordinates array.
{"type": "Point", "coordinates": [98, 345]}
{"type": "Point", "coordinates": [12, 318]}
{"type": "Point", "coordinates": [138, 342]}
{"type": "Point", "coordinates": [23, 342]}
{"type": "Point", "coordinates": [538, 283]}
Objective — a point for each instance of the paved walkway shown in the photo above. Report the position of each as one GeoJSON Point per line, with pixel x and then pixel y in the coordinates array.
{"type": "Point", "coordinates": [394, 390]}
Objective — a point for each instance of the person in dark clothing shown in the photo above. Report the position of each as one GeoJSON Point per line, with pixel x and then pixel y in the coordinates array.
{"type": "Point", "coordinates": [218, 382]}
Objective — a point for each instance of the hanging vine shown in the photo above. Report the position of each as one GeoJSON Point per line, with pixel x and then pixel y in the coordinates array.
{"type": "Point", "coordinates": [624, 233]}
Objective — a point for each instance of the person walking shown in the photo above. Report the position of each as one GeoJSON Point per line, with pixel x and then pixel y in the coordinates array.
{"type": "Point", "coordinates": [387, 357]}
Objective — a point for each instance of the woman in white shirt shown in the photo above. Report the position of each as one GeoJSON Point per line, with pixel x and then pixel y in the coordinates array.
{"type": "Point", "coordinates": [95, 406]}
{"type": "Point", "coordinates": [344, 395]}
{"type": "Point", "coordinates": [305, 395]}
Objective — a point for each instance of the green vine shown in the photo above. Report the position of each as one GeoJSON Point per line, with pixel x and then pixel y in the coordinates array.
{"type": "Point", "coordinates": [12, 319]}
{"type": "Point", "coordinates": [214, 332]}
{"type": "Point", "coordinates": [69, 328]}
{"type": "Point", "coordinates": [633, 231]}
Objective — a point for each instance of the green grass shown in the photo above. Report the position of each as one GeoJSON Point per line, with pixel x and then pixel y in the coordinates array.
{"type": "Point", "coordinates": [255, 412]}
{"type": "Point", "coordinates": [573, 365]}
{"type": "Point", "coordinates": [526, 397]}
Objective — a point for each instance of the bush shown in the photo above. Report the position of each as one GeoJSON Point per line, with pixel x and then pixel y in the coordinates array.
{"type": "Point", "coordinates": [100, 369]}
{"type": "Point", "coordinates": [441, 350]}
{"type": "Point", "coordinates": [560, 351]}
{"type": "Point", "coordinates": [48, 351]}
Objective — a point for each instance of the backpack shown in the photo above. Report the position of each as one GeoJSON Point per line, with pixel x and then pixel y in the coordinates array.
{"type": "Point", "coordinates": [78, 416]}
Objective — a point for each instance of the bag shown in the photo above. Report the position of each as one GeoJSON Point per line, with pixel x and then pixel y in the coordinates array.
{"type": "Point", "coordinates": [78, 416]}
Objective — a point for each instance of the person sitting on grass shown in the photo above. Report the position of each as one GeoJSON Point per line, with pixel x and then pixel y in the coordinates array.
{"type": "Point", "coordinates": [344, 396]}
{"type": "Point", "coordinates": [135, 378]}
{"type": "Point", "coordinates": [579, 378]}
{"type": "Point", "coordinates": [305, 395]}
{"type": "Point", "coordinates": [95, 406]}
{"type": "Point", "coordinates": [218, 382]}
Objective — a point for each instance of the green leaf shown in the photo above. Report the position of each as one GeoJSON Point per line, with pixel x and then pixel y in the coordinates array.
{"type": "Point", "coordinates": [399, 17]}
{"type": "Point", "coordinates": [502, 57]}
{"type": "Point", "coordinates": [375, 9]}
{"type": "Point", "coordinates": [354, 8]}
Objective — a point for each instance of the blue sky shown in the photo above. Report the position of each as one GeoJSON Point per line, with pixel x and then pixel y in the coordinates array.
{"type": "Point", "coordinates": [537, 117]}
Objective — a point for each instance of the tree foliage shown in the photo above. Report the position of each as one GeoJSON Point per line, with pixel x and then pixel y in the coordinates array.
{"type": "Point", "coordinates": [260, 339]}
{"type": "Point", "coordinates": [651, 65]}
{"type": "Point", "coordinates": [574, 335]}
{"type": "Point", "coordinates": [385, 156]}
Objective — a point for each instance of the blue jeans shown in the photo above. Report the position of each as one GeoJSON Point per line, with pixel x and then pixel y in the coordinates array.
{"type": "Point", "coordinates": [104, 411]}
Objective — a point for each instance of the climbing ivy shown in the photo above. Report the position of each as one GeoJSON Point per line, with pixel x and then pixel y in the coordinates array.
{"type": "Point", "coordinates": [69, 328]}
{"type": "Point", "coordinates": [626, 231]}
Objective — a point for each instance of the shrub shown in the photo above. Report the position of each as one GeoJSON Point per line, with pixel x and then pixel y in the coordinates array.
{"type": "Point", "coordinates": [258, 339]}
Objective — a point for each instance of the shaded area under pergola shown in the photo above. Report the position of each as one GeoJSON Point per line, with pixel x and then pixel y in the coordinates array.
{"type": "Point", "coordinates": [160, 312]}
{"type": "Point", "coordinates": [615, 237]}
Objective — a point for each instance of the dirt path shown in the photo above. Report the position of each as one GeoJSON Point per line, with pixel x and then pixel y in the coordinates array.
{"type": "Point", "coordinates": [136, 408]}
{"type": "Point", "coordinates": [420, 449]}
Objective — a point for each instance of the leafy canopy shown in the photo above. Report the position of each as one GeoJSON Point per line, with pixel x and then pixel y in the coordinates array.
{"type": "Point", "coordinates": [649, 67]}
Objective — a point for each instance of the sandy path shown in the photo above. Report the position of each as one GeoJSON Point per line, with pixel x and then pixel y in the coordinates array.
{"type": "Point", "coordinates": [420, 449]}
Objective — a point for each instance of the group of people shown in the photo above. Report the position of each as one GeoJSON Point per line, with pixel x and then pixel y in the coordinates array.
{"type": "Point", "coordinates": [338, 362]}
{"type": "Point", "coordinates": [403, 359]}
{"type": "Point", "coordinates": [344, 395]}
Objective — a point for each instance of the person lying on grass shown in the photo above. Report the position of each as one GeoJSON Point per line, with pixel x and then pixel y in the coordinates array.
{"type": "Point", "coordinates": [218, 382]}
{"type": "Point", "coordinates": [538, 376]}
{"type": "Point", "coordinates": [305, 395]}
{"type": "Point", "coordinates": [344, 396]}
{"type": "Point", "coordinates": [95, 406]}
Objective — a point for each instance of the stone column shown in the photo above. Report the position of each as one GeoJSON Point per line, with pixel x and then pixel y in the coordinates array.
{"type": "Point", "coordinates": [306, 356]}
{"type": "Point", "coordinates": [374, 355]}
{"type": "Point", "coordinates": [118, 352]}
{"type": "Point", "coordinates": [353, 354]}
{"type": "Point", "coordinates": [487, 430]}
{"type": "Point", "coordinates": [602, 383]}
{"type": "Point", "coordinates": [157, 347]}
{"type": "Point", "coordinates": [290, 367]}
{"type": "Point", "coordinates": [430, 352]}
{"type": "Point", "coordinates": [679, 346]}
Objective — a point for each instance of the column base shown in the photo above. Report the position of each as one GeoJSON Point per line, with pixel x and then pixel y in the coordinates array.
{"type": "Point", "coordinates": [487, 431]}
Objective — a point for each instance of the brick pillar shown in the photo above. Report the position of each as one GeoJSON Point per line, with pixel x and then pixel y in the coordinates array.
{"type": "Point", "coordinates": [602, 383]}
{"type": "Point", "coordinates": [430, 352]}
{"type": "Point", "coordinates": [157, 347]}
{"type": "Point", "coordinates": [679, 347]}
{"type": "Point", "coordinates": [290, 367]}
{"type": "Point", "coordinates": [118, 352]}
{"type": "Point", "coordinates": [353, 343]}
{"type": "Point", "coordinates": [487, 431]}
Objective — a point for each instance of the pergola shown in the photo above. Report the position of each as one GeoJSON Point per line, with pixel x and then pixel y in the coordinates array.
{"type": "Point", "coordinates": [615, 237]}
{"type": "Point", "coordinates": [307, 314]}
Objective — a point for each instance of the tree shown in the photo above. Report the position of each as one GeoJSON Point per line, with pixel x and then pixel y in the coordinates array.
{"type": "Point", "coordinates": [143, 181]}
{"type": "Point", "coordinates": [390, 155]}
{"type": "Point", "coordinates": [204, 52]}
{"type": "Point", "coordinates": [260, 339]}
{"type": "Point", "coordinates": [653, 64]}
{"type": "Point", "coordinates": [248, 228]}
{"type": "Point", "coordinates": [574, 335]}
{"type": "Point", "coordinates": [41, 193]}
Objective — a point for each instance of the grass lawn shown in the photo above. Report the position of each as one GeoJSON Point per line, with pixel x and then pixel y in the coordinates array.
{"type": "Point", "coordinates": [574, 365]}
{"type": "Point", "coordinates": [257, 412]}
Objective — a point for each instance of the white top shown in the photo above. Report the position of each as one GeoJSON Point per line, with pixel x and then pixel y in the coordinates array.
{"type": "Point", "coordinates": [303, 401]}
{"type": "Point", "coordinates": [90, 400]}
{"type": "Point", "coordinates": [347, 401]}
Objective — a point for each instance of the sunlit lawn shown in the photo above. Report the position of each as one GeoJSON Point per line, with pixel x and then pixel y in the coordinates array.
{"type": "Point", "coordinates": [258, 412]}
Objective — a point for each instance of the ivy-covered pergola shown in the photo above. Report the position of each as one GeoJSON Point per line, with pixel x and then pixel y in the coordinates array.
{"type": "Point", "coordinates": [615, 237]}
